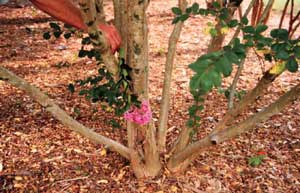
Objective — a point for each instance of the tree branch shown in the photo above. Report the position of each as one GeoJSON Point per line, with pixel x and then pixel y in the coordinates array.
{"type": "Point", "coordinates": [264, 82]}
{"type": "Point", "coordinates": [60, 114]}
{"type": "Point", "coordinates": [190, 153]}
{"type": "Point", "coordinates": [234, 84]}
{"type": "Point", "coordinates": [89, 14]}
{"type": "Point", "coordinates": [165, 102]}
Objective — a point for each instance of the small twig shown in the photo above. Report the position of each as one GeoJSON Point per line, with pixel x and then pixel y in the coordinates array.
{"type": "Point", "coordinates": [291, 16]}
{"type": "Point", "coordinates": [283, 13]}
{"type": "Point", "coordinates": [261, 61]}
{"type": "Point", "coordinates": [66, 187]}
{"type": "Point", "coordinates": [297, 16]}
{"type": "Point", "coordinates": [294, 29]}
{"type": "Point", "coordinates": [266, 11]}
{"type": "Point", "coordinates": [189, 187]}
{"type": "Point", "coordinates": [234, 84]}
{"type": "Point", "coordinates": [70, 180]}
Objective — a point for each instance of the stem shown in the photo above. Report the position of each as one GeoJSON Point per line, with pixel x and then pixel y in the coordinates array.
{"type": "Point", "coordinates": [266, 12]}
{"type": "Point", "coordinates": [295, 28]}
{"type": "Point", "coordinates": [165, 103]}
{"type": "Point", "coordinates": [291, 16]}
{"type": "Point", "coordinates": [61, 115]}
{"type": "Point", "coordinates": [283, 13]}
{"type": "Point", "coordinates": [234, 84]}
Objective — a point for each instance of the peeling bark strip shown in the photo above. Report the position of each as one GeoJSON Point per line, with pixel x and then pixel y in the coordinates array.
{"type": "Point", "coordinates": [60, 114]}
{"type": "Point", "coordinates": [190, 153]}
{"type": "Point", "coordinates": [90, 16]}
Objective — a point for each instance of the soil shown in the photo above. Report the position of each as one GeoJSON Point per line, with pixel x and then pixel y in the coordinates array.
{"type": "Point", "coordinates": [38, 154]}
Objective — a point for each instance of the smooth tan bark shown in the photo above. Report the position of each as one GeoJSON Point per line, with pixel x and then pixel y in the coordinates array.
{"type": "Point", "coordinates": [165, 102]}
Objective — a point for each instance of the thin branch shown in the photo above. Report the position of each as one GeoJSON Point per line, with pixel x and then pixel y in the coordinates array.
{"type": "Point", "coordinates": [294, 29]}
{"type": "Point", "coordinates": [297, 16]}
{"type": "Point", "coordinates": [234, 84]}
{"type": "Point", "coordinates": [70, 180]}
{"type": "Point", "coordinates": [291, 16]}
{"type": "Point", "coordinates": [283, 13]}
{"type": "Point", "coordinates": [60, 114]}
{"type": "Point", "coordinates": [165, 102]}
{"type": "Point", "coordinates": [267, 11]}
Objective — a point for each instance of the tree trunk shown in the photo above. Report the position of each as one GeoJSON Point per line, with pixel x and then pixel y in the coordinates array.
{"type": "Point", "coordinates": [137, 54]}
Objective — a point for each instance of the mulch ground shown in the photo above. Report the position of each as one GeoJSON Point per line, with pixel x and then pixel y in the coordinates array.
{"type": "Point", "coordinates": [38, 154]}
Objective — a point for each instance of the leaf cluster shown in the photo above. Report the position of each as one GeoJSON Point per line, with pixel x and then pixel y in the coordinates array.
{"type": "Point", "coordinates": [209, 69]}
{"type": "Point", "coordinates": [56, 30]}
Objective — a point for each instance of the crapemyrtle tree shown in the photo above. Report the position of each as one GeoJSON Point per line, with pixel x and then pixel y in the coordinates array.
{"type": "Point", "coordinates": [122, 80]}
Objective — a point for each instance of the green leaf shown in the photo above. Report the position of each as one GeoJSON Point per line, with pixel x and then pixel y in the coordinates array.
{"type": "Point", "coordinates": [200, 65]}
{"type": "Point", "coordinates": [184, 17]}
{"type": "Point", "coordinates": [176, 11]}
{"type": "Point", "coordinates": [71, 88]}
{"type": "Point", "coordinates": [83, 92]}
{"type": "Point", "coordinates": [57, 34]}
{"type": "Point", "coordinates": [268, 57]}
{"type": "Point", "coordinates": [224, 65]}
{"type": "Point", "coordinates": [203, 12]}
{"type": "Point", "coordinates": [245, 20]}
{"type": "Point", "coordinates": [55, 26]}
{"type": "Point", "coordinates": [67, 35]}
{"type": "Point", "coordinates": [195, 8]}
{"type": "Point", "coordinates": [47, 35]}
{"type": "Point", "coordinates": [255, 161]}
{"type": "Point", "coordinates": [216, 5]}
{"type": "Point", "coordinates": [190, 123]}
{"type": "Point", "coordinates": [215, 77]}
{"type": "Point", "coordinates": [292, 65]}
{"type": "Point", "coordinates": [233, 23]}
{"type": "Point", "coordinates": [224, 14]}
{"type": "Point", "coordinates": [280, 34]}
{"type": "Point", "coordinates": [176, 20]}
{"type": "Point", "coordinates": [233, 58]}
{"type": "Point", "coordinates": [82, 53]}
{"type": "Point", "coordinates": [188, 10]}
{"type": "Point", "coordinates": [297, 52]}
{"type": "Point", "coordinates": [192, 110]}
{"type": "Point", "coordinates": [86, 41]}
{"type": "Point", "coordinates": [206, 84]}
{"type": "Point", "coordinates": [195, 82]}
{"type": "Point", "coordinates": [282, 55]}
{"type": "Point", "coordinates": [277, 47]}
{"type": "Point", "coordinates": [249, 29]}
{"type": "Point", "coordinates": [261, 28]}
{"type": "Point", "coordinates": [213, 32]}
